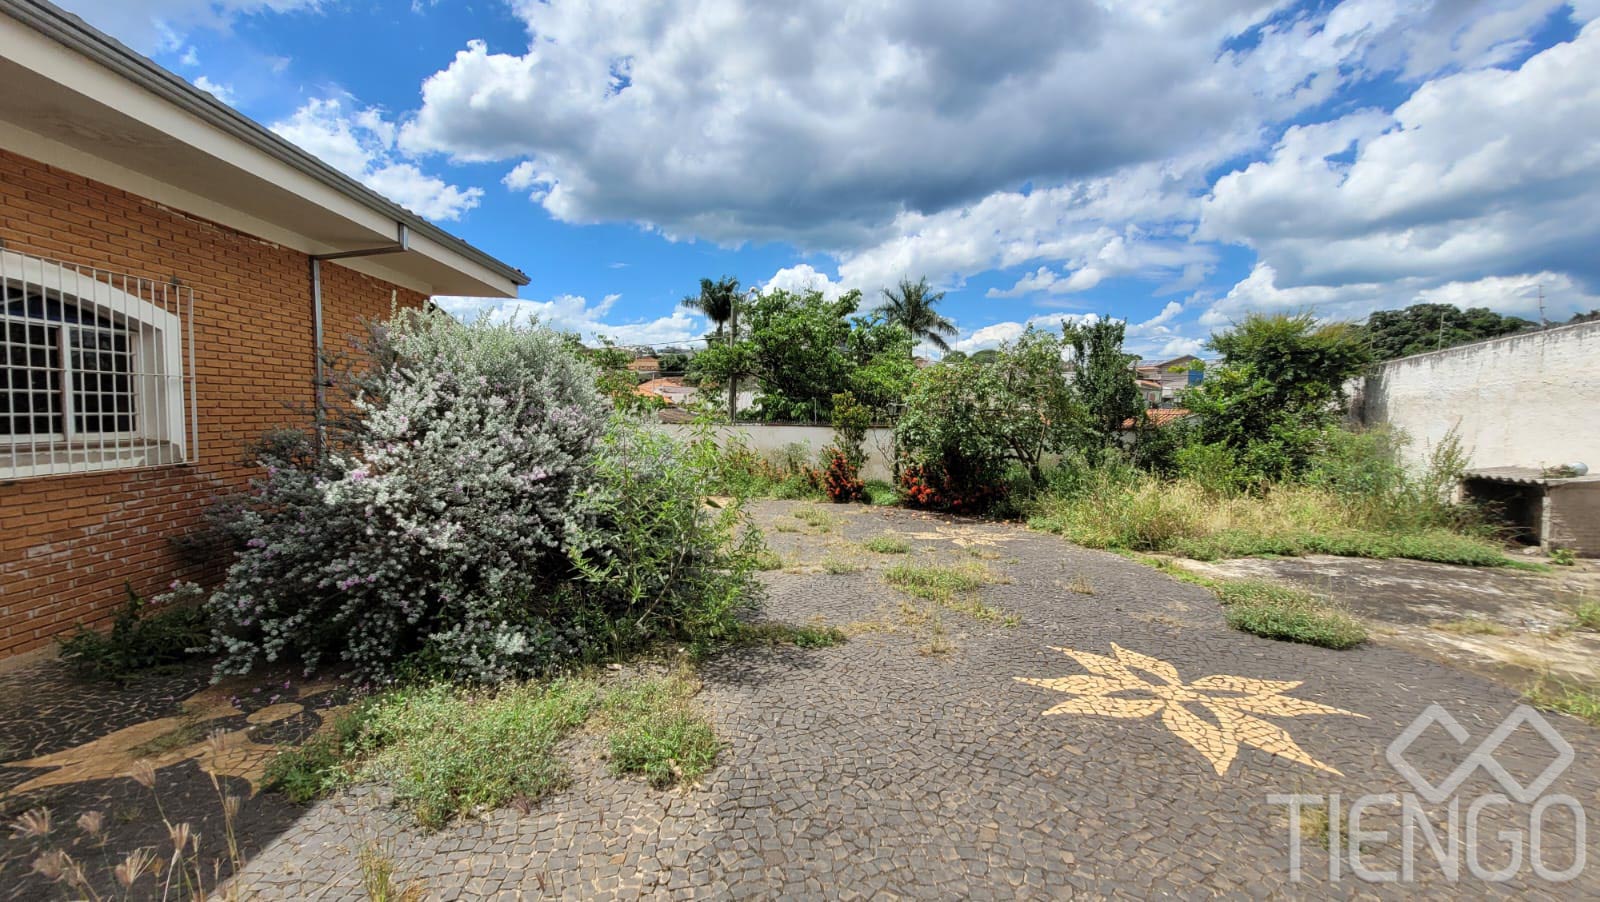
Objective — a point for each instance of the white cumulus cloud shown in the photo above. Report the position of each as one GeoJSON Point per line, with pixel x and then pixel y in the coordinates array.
{"type": "Point", "coordinates": [361, 144]}
{"type": "Point", "coordinates": [574, 313]}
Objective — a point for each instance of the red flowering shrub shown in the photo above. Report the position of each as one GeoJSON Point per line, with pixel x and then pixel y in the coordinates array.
{"type": "Point", "coordinates": [932, 487]}
{"type": "Point", "coordinates": [841, 479]}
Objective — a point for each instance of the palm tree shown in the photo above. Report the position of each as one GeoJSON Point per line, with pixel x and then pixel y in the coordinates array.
{"type": "Point", "coordinates": [716, 300]}
{"type": "Point", "coordinates": [911, 306]}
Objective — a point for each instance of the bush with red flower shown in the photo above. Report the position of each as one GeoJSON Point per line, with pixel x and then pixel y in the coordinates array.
{"type": "Point", "coordinates": [965, 421]}
{"type": "Point", "coordinates": [841, 477]}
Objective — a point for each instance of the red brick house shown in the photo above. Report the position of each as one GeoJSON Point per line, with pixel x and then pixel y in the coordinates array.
{"type": "Point", "coordinates": [170, 269]}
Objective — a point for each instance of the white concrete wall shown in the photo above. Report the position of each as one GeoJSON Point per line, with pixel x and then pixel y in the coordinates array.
{"type": "Point", "coordinates": [1528, 400]}
{"type": "Point", "coordinates": [770, 438]}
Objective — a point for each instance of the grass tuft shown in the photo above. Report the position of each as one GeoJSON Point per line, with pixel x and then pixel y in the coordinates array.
{"type": "Point", "coordinates": [1587, 615]}
{"type": "Point", "coordinates": [654, 731]}
{"type": "Point", "coordinates": [449, 753]}
{"type": "Point", "coordinates": [1471, 626]}
{"type": "Point", "coordinates": [1278, 612]}
{"type": "Point", "coordinates": [320, 765]}
{"type": "Point", "coordinates": [1551, 694]}
{"type": "Point", "coordinates": [378, 878]}
{"type": "Point", "coordinates": [888, 543]}
{"type": "Point", "coordinates": [774, 633]}
{"type": "Point", "coordinates": [813, 517]}
{"type": "Point", "coordinates": [881, 493]}
{"type": "Point", "coordinates": [937, 583]}
{"type": "Point", "coordinates": [839, 566]}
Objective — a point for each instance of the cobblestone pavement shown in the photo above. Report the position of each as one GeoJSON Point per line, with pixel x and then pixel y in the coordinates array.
{"type": "Point", "coordinates": [1080, 725]}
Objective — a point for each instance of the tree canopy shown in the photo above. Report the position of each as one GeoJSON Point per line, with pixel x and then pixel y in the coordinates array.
{"type": "Point", "coordinates": [716, 300]}
{"type": "Point", "coordinates": [1103, 379]}
{"type": "Point", "coordinates": [966, 420]}
{"type": "Point", "coordinates": [910, 305]}
{"type": "Point", "coordinates": [1279, 385]}
{"type": "Point", "coordinates": [1430, 327]}
{"type": "Point", "coordinates": [803, 349]}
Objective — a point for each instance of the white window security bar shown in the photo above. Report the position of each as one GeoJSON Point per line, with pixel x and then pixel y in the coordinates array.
{"type": "Point", "coordinates": [96, 369]}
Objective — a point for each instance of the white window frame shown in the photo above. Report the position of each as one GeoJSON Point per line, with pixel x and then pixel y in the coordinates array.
{"type": "Point", "coordinates": [156, 319]}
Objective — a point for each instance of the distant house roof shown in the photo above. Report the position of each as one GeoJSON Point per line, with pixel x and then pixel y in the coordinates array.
{"type": "Point", "coordinates": [1183, 361]}
{"type": "Point", "coordinates": [660, 387]}
{"type": "Point", "coordinates": [1160, 416]}
{"type": "Point", "coordinates": [922, 363]}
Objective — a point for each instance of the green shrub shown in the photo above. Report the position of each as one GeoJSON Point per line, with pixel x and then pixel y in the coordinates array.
{"type": "Point", "coordinates": [656, 562]}
{"type": "Point", "coordinates": [1278, 612]}
{"type": "Point", "coordinates": [144, 636]}
{"type": "Point", "coordinates": [1563, 557]}
{"type": "Point", "coordinates": [654, 731]}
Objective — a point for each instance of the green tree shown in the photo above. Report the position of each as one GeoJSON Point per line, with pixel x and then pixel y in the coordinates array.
{"type": "Point", "coordinates": [716, 300]}
{"type": "Point", "coordinates": [882, 367]}
{"type": "Point", "coordinates": [911, 306]}
{"type": "Point", "coordinates": [799, 347]}
{"type": "Point", "coordinates": [967, 420]}
{"type": "Point", "coordinates": [1103, 379]}
{"type": "Point", "coordinates": [1279, 386]}
{"type": "Point", "coordinates": [1429, 327]}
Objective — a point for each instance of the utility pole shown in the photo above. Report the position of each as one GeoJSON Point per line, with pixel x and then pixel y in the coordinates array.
{"type": "Point", "coordinates": [1543, 323]}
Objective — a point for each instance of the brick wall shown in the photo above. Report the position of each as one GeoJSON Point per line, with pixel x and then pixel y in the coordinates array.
{"type": "Point", "coordinates": [1573, 512]}
{"type": "Point", "coordinates": [68, 544]}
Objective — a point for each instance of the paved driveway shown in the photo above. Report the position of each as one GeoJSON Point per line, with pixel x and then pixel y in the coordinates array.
{"type": "Point", "coordinates": [1081, 724]}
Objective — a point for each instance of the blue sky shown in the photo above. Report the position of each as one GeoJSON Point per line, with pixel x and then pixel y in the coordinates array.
{"type": "Point", "coordinates": [1174, 163]}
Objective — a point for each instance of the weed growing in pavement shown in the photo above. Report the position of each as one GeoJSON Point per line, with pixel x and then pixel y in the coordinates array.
{"type": "Point", "coordinates": [814, 518]}
{"type": "Point", "coordinates": [654, 730]}
{"type": "Point", "coordinates": [1552, 694]}
{"type": "Point", "coordinates": [888, 543]}
{"type": "Point", "coordinates": [1293, 615]}
{"type": "Point", "coordinates": [1471, 626]}
{"type": "Point", "coordinates": [378, 877]}
{"type": "Point", "coordinates": [1271, 611]}
{"type": "Point", "coordinates": [1587, 615]}
{"type": "Point", "coordinates": [177, 869]}
{"type": "Point", "coordinates": [143, 637]}
{"type": "Point", "coordinates": [838, 566]}
{"type": "Point", "coordinates": [950, 587]}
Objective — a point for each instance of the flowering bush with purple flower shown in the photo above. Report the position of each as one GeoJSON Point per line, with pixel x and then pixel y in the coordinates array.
{"type": "Point", "coordinates": [464, 517]}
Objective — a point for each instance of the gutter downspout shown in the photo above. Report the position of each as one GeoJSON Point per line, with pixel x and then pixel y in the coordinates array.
{"type": "Point", "coordinates": [401, 245]}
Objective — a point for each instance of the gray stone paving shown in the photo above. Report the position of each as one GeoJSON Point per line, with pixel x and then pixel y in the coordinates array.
{"type": "Point", "coordinates": [893, 766]}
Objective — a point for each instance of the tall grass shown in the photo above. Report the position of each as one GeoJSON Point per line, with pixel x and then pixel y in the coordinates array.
{"type": "Point", "coordinates": [1356, 503]}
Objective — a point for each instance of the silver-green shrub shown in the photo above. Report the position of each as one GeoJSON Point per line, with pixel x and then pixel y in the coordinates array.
{"type": "Point", "coordinates": [464, 518]}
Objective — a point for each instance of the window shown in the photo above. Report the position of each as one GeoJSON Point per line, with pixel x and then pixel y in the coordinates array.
{"type": "Point", "coordinates": [93, 369]}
